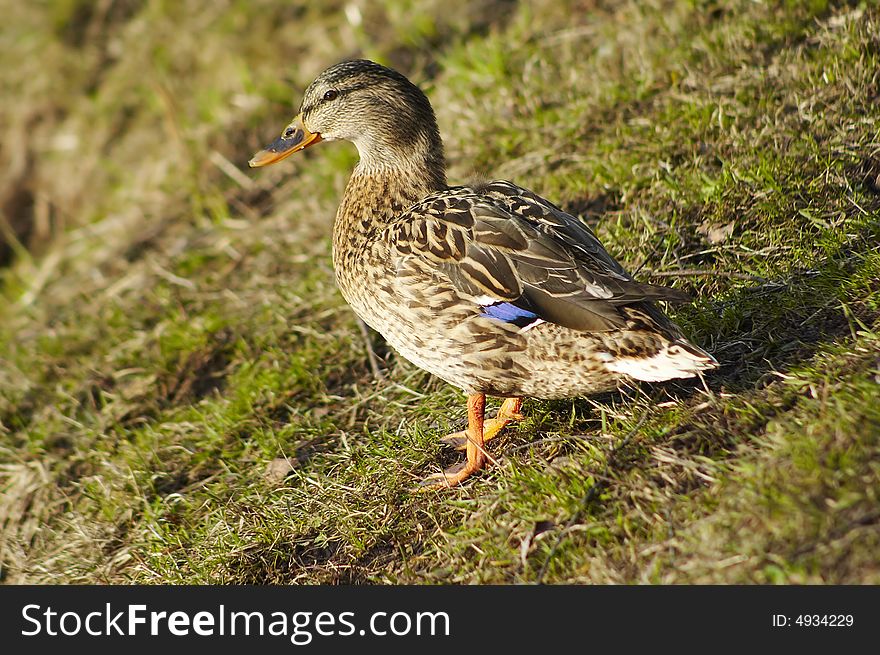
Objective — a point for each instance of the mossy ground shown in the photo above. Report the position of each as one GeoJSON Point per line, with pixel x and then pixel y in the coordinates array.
{"type": "Point", "coordinates": [170, 328]}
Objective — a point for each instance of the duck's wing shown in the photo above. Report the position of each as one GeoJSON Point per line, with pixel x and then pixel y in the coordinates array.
{"type": "Point", "coordinates": [519, 257]}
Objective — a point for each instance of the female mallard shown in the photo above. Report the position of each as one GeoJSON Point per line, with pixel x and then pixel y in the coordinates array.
{"type": "Point", "coordinates": [489, 287]}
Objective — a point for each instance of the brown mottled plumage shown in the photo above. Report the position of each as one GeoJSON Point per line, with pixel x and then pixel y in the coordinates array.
{"type": "Point", "coordinates": [490, 287]}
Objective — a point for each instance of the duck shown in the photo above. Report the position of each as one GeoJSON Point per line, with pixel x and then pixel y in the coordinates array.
{"type": "Point", "coordinates": [487, 285]}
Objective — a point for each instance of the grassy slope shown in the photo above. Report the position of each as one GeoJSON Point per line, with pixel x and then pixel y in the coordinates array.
{"type": "Point", "coordinates": [182, 332]}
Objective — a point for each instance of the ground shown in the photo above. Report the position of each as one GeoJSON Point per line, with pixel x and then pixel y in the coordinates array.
{"type": "Point", "coordinates": [185, 397]}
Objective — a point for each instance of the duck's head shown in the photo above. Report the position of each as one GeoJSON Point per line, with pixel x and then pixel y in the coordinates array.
{"type": "Point", "coordinates": [385, 115]}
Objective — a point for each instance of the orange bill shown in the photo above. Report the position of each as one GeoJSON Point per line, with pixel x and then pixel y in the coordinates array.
{"type": "Point", "coordinates": [294, 138]}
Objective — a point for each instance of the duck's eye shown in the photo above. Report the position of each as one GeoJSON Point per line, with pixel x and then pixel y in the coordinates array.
{"type": "Point", "coordinates": [332, 94]}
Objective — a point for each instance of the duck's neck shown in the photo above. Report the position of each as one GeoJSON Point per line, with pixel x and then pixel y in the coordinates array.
{"type": "Point", "coordinates": [379, 190]}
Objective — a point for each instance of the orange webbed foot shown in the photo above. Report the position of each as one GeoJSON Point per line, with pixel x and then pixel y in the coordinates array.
{"type": "Point", "coordinates": [509, 411]}
{"type": "Point", "coordinates": [474, 445]}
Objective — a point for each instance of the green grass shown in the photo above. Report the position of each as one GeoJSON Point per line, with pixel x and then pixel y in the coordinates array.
{"type": "Point", "coordinates": [185, 398]}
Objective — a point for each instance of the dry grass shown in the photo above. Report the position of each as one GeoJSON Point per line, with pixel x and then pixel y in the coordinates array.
{"type": "Point", "coordinates": [171, 331]}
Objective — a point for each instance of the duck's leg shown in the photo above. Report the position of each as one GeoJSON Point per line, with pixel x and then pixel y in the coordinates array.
{"type": "Point", "coordinates": [476, 454]}
{"type": "Point", "coordinates": [509, 411]}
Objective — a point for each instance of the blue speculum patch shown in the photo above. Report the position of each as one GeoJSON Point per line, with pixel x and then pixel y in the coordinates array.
{"type": "Point", "coordinates": [509, 313]}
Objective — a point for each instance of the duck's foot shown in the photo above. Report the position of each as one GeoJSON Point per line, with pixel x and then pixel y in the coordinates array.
{"type": "Point", "coordinates": [509, 411]}
{"type": "Point", "coordinates": [476, 454]}
{"type": "Point", "coordinates": [450, 477]}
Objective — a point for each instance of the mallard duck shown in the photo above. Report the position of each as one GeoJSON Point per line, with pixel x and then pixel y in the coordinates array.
{"type": "Point", "coordinates": [488, 286]}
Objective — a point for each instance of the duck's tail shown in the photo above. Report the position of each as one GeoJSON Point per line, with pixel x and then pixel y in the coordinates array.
{"type": "Point", "coordinates": [677, 359]}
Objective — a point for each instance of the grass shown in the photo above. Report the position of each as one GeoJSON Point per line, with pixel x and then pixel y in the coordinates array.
{"type": "Point", "coordinates": [185, 398]}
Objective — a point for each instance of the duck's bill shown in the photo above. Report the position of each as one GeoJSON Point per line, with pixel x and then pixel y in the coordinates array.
{"type": "Point", "coordinates": [294, 138]}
